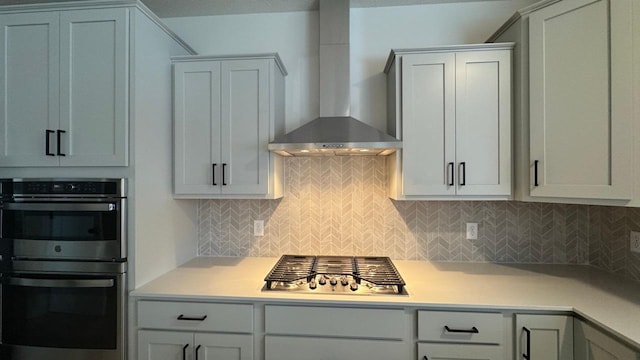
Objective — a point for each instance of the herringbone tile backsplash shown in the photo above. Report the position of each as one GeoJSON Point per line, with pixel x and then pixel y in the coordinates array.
{"type": "Point", "coordinates": [338, 205]}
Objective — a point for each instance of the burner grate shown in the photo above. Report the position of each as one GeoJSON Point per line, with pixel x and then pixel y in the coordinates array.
{"type": "Point", "coordinates": [379, 271]}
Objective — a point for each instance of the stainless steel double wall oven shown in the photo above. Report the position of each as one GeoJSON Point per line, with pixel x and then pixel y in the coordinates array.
{"type": "Point", "coordinates": [63, 248]}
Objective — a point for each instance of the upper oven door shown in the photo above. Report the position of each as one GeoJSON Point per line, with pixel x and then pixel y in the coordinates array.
{"type": "Point", "coordinates": [57, 230]}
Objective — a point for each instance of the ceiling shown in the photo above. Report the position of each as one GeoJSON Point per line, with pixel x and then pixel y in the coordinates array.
{"type": "Point", "coordinates": [178, 8]}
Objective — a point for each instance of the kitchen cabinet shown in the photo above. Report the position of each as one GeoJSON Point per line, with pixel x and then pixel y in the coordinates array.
{"type": "Point", "coordinates": [64, 93]}
{"type": "Point", "coordinates": [210, 331]}
{"type": "Point", "coordinates": [460, 335]}
{"type": "Point", "coordinates": [573, 101]}
{"type": "Point", "coordinates": [333, 333]}
{"type": "Point", "coordinates": [451, 107]}
{"type": "Point", "coordinates": [592, 344]}
{"type": "Point", "coordinates": [226, 110]}
{"type": "Point", "coordinates": [173, 345]}
{"type": "Point", "coordinates": [548, 337]}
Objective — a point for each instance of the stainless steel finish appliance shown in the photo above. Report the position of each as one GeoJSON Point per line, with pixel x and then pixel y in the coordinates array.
{"type": "Point", "coordinates": [335, 275]}
{"type": "Point", "coordinates": [63, 269]}
{"type": "Point", "coordinates": [335, 132]}
{"type": "Point", "coordinates": [70, 219]}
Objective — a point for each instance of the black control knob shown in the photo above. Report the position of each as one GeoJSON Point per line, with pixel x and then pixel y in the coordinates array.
{"type": "Point", "coordinates": [353, 286]}
{"type": "Point", "coordinates": [323, 280]}
{"type": "Point", "coordinates": [312, 284]}
{"type": "Point", "coordinates": [344, 281]}
{"type": "Point", "coordinates": [333, 281]}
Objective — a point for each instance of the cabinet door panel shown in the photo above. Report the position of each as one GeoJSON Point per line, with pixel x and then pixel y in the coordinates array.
{"type": "Point", "coordinates": [579, 106]}
{"type": "Point", "coordinates": [591, 344]}
{"type": "Point", "coordinates": [311, 348]}
{"type": "Point", "coordinates": [164, 345]}
{"type": "Point", "coordinates": [483, 122]}
{"type": "Point", "coordinates": [551, 336]}
{"type": "Point", "coordinates": [245, 122]}
{"type": "Point", "coordinates": [197, 128]}
{"type": "Point", "coordinates": [428, 134]}
{"type": "Point", "coordinates": [94, 87]}
{"type": "Point", "coordinates": [29, 64]}
{"type": "Point", "coordinates": [460, 352]}
{"type": "Point", "coordinates": [224, 346]}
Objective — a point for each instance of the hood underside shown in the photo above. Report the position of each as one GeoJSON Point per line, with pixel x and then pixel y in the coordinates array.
{"type": "Point", "coordinates": [338, 135]}
{"type": "Point", "coordinates": [335, 132]}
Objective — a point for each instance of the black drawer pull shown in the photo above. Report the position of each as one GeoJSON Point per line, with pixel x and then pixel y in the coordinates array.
{"type": "Point", "coordinates": [59, 152]}
{"type": "Point", "coordinates": [463, 178]}
{"type": "Point", "coordinates": [473, 330]}
{"type": "Point", "coordinates": [451, 175]}
{"type": "Point", "coordinates": [535, 173]}
{"type": "Point", "coordinates": [527, 356]}
{"type": "Point", "coordinates": [425, 357]}
{"type": "Point", "coordinates": [224, 166]}
{"type": "Point", "coordinates": [197, 348]}
{"type": "Point", "coordinates": [47, 142]}
{"type": "Point", "coordinates": [190, 318]}
{"type": "Point", "coordinates": [184, 352]}
{"type": "Point", "coordinates": [213, 174]}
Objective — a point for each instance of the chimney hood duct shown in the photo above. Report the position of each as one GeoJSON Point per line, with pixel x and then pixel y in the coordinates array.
{"type": "Point", "coordinates": [335, 132]}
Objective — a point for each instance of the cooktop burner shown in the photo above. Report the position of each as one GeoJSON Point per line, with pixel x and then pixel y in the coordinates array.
{"type": "Point", "coordinates": [335, 274]}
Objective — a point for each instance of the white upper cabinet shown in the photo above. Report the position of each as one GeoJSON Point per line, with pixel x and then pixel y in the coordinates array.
{"type": "Point", "coordinates": [452, 109]}
{"type": "Point", "coordinates": [573, 101]}
{"type": "Point", "coordinates": [580, 99]}
{"type": "Point", "coordinates": [226, 110]}
{"type": "Point", "coordinates": [64, 90]}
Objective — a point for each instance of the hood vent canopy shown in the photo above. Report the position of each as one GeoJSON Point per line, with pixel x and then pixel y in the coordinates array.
{"type": "Point", "coordinates": [335, 132]}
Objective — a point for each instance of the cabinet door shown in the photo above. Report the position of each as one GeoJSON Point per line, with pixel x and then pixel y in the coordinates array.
{"type": "Point", "coordinates": [224, 346]}
{"type": "Point", "coordinates": [580, 99]}
{"type": "Point", "coordinates": [245, 126]}
{"type": "Point", "coordinates": [29, 64]}
{"type": "Point", "coordinates": [164, 345]}
{"type": "Point", "coordinates": [591, 344]}
{"type": "Point", "coordinates": [483, 122]}
{"type": "Point", "coordinates": [428, 124]}
{"type": "Point", "coordinates": [314, 348]}
{"type": "Point", "coordinates": [548, 337]}
{"type": "Point", "coordinates": [459, 352]}
{"type": "Point", "coordinates": [94, 89]}
{"type": "Point", "coordinates": [198, 167]}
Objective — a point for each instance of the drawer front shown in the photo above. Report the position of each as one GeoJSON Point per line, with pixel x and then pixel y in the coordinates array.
{"type": "Point", "coordinates": [313, 348]}
{"type": "Point", "coordinates": [233, 318]}
{"type": "Point", "coordinates": [432, 326]}
{"type": "Point", "coordinates": [335, 322]}
{"type": "Point", "coordinates": [460, 352]}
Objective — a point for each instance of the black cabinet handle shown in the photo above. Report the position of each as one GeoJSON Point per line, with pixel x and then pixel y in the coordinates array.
{"type": "Point", "coordinates": [47, 142]}
{"type": "Point", "coordinates": [197, 348]}
{"type": "Point", "coordinates": [473, 330]}
{"type": "Point", "coordinates": [224, 166]}
{"type": "Point", "coordinates": [213, 174]}
{"type": "Point", "coordinates": [451, 174]}
{"type": "Point", "coordinates": [463, 178]}
{"type": "Point", "coordinates": [189, 318]}
{"type": "Point", "coordinates": [59, 133]}
{"type": "Point", "coordinates": [527, 355]}
{"type": "Point", "coordinates": [535, 173]}
{"type": "Point", "coordinates": [425, 357]}
{"type": "Point", "coordinates": [184, 352]}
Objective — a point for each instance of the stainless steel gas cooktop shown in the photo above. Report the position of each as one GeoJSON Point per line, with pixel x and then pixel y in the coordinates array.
{"type": "Point", "coordinates": [335, 275]}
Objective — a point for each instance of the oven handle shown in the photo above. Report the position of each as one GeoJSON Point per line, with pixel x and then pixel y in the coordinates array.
{"type": "Point", "coordinates": [64, 283]}
{"type": "Point", "coordinates": [60, 207]}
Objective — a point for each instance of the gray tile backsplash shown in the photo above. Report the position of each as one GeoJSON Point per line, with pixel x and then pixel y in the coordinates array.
{"type": "Point", "coordinates": [338, 205]}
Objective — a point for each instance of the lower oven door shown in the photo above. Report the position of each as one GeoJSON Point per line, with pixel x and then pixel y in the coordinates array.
{"type": "Point", "coordinates": [71, 317]}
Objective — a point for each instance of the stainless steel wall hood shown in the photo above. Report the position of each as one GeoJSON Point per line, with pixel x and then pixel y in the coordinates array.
{"type": "Point", "coordinates": [335, 132]}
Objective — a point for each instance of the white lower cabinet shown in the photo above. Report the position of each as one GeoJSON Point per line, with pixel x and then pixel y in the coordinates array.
{"type": "Point", "coordinates": [548, 337]}
{"type": "Point", "coordinates": [459, 352]}
{"type": "Point", "coordinates": [454, 335]}
{"type": "Point", "coordinates": [333, 333]}
{"type": "Point", "coordinates": [175, 345]}
{"type": "Point", "coordinates": [176, 330]}
{"type": "Point", "coordinates": [592, 344]}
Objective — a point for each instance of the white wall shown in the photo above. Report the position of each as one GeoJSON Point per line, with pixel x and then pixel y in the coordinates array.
{"type": "Point", "coordinates": [374, 32]}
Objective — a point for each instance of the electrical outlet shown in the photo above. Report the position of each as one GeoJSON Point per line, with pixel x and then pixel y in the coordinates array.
{"type": "Point", "coordinates": [635, 241]}
{"type": "Point", "coordinates": [472, 231]}
{"type": "Point", "coordinates": [258, 227]}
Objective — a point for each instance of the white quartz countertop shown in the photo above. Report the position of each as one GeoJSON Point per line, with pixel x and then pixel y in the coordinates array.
{"type": "Point", "coordinates": [607, 300]}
